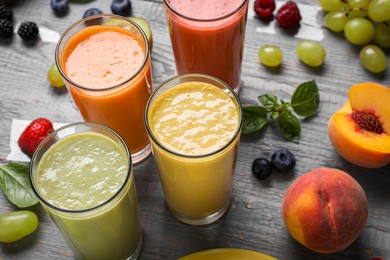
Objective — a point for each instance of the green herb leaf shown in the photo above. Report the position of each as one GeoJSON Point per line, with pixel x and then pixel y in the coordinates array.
{"type": "Point", "coordinates": [306, 99]}
{"type": "Point", "coordinates": [268, 101]}
{"type": "Point", "coordinates": [15, 183]}
{"type": "Point", "coordinates": [255, 117]}
{"type": "Point", "coordinates": [289, 126]}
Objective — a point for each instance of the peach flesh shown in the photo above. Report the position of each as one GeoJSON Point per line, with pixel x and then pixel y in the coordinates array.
{"type": "Point", "coordinates": [325, 210]}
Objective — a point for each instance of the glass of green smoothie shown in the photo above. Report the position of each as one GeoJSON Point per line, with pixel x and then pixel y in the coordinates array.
{"type": "Point", "coordinates": [83, 176]}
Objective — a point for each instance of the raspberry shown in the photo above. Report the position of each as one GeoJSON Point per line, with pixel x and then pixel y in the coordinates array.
{"type": "Point", "coordinates": [264, 8]}
{"type": "Point", "coordinates": [28, 31]}
{"type": "Point", "coordinates": [288, 15]}
{"type": "Point", "coordinates": [6, 29]}
{"type": "Point", "coordinates": [6, 12]}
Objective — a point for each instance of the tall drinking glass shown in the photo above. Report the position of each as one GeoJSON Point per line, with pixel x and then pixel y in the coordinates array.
{"type": "Point", "coordinates": [194, 123]}
{"type": "Point", "coordinates": [83, 176]}
{"type": "Point", "coordinates": [105, 63]}
{"type": "Point", "coordinates": [208, 37]}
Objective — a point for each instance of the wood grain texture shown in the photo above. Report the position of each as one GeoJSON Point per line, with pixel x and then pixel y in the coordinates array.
{"type": "Point", "coordinates": [253, 220]}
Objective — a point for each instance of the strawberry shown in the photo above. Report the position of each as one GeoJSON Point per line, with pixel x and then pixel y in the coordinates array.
{"type": "Point", "coordinates": [34, 134]}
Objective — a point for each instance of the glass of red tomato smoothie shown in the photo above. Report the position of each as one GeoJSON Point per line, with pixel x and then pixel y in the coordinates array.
{"type": "Point", "coordinates": [105, 63]}
{"type": "Point", "coordinates": [208, 37]}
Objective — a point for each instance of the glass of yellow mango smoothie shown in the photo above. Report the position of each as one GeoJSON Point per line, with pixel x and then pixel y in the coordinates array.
{"type": "Point", "coordinates": [194, 123]}
{"type": "Point", "coordinates": [83, 176]}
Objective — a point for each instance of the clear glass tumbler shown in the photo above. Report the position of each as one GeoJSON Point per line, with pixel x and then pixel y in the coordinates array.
{"type": "Point", "coordinates": [105, 63]}
{"type": "Point", "coordinates": [73, 173]}
{"type": "Point", "coordinates": [196, 176]}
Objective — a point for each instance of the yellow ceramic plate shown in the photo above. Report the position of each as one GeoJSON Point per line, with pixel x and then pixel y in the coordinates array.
{"type": "Point", "coordinates": [227, 254]}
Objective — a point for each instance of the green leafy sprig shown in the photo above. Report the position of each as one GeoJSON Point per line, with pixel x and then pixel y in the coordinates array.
{"type": "Point", "coordinates": [304, 102]}
{"type": "Point", "coordinates": [15, 183]}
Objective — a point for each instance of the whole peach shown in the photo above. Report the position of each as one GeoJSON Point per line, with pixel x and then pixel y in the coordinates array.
{"type": "Point", "coordinates": [325, 210]}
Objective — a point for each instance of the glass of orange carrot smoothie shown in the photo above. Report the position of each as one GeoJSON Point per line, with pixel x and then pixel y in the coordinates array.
{"type": "Point", "coordinates": [208, 37]}
{"type": "Point", "coordinates": [194, 123]}
{"type": "Point", "coordinates": [105, 63]}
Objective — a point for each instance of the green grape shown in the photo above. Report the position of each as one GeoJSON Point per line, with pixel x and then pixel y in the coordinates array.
{"type": "Point", "coordinates": [361, 4]}
{"type": "Point", "coordinates": [359, 31]}
{"type": "Point", "coordinates": [373, 58]}
{"type": "Point", "coordinates": [356, 12]}
{"type": "Point", "coordinates": [270, 55]}
{"type": "Point", "coordinates": [332, 5]}
{"type": "Point", "coordinates": [16, 225]}
{"type": "Point", "coordinates": [311, 53]}
{"type": "Point", "coordinates": [382, 35]}
{"type": "Point", "coordinates": [379, 10]}
{"type": "Point", "coordinates": [335, 21]}
{"type": "Point", "coordinates": [54, 76]}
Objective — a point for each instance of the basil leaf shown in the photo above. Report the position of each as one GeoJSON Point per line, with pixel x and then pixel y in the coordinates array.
{"type": "Point", "coordinates": [15, 183]}
{"type": "Point", "coordinates": [306, 99]}
{"type": "Point", "coordinates": [289, 126]}
{"type": "Point", "coordinates": [255, 117]}
{"type": "Point", "coordinates": [268, 100]}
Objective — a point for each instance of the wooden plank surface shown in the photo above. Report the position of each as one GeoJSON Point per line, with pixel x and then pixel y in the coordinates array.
{"type": "Point", "coordinates": [253, 220]}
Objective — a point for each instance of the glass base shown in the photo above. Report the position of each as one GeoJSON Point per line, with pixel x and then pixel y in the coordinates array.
{"type": "Point", "coordinates": [200, 220]}
{"type": "Point", "coordinates": [137, 252]}
{"type": "Point", "coordinates": [139, 156]}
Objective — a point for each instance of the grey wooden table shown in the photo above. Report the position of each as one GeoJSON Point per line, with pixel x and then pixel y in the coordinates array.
{"type": "Point", "coordinates": [253, 220]}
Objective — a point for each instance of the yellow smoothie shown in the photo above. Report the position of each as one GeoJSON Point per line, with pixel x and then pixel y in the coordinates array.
{"type": "Point", "coordinates": [78, 175]}
{"type": "Point", "coordinates": [196, 128]}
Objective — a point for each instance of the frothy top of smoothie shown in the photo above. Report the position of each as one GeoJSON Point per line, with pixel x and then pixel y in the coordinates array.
{"type": "Point", "coordinates": [82, 171]}
{"type": "Point", "coordinates": [194, 118]}
{"type": "Point", "coordinates": [102, 56]}
{"type": "Point", "coordinates": [205, 9]}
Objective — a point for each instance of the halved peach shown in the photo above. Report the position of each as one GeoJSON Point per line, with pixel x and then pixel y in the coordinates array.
{"type": "Point", "coordinates": [360, 130]}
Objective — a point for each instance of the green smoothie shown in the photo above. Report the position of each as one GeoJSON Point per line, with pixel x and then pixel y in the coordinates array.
{"type": "Point", "coordinates": [89, 193]}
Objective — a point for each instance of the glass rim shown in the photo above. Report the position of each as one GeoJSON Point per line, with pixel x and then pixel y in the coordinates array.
{"type": "Point", "coordinates": [207, 19]}
{"type": "Point", "coordinates": [113, 196]}
{"type": "Point", "coordinates": [57, 51]}
{"type": "Point", "coordinates": [199, 75]}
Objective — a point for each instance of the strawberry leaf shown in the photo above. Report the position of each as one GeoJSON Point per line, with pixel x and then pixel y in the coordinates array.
{"type": "Point", "coordinates": [15, 183]}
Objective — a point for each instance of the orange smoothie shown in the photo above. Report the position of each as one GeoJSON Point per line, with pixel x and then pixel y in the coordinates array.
{"type": "Point", "coordinates": [195, 129]}
{"type": "Point", "coordinates": [108, 73]}
{"type": "Point", "coordinates": [208, 37]}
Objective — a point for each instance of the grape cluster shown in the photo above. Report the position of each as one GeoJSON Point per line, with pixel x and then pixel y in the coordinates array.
{"type": "Point", "coordinates": [365, 23]}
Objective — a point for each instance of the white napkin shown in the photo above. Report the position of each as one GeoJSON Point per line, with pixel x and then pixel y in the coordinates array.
{"type": "Point", "coordinates": [17, 128]}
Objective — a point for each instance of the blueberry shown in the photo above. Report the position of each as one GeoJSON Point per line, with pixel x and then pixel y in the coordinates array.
{"type": "Point", "coordinates": [121, 7]}
{"type": "Point", "coordinates": [261, 168]}
{"type": "Point", "coordinates": [283, 161]}
{"type": "Point", "coordinates": [92, 11]}
{"type": "Point", "coordinates": [60, 7]}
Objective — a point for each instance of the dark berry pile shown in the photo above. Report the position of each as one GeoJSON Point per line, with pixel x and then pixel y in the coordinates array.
{"type": "Point", "coordinates": [28, 31]}
{"type": "Point", "coordinates": [282, 161]}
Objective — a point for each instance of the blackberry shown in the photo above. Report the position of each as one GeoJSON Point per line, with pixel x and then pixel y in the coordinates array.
{"type": "Point", "coordinates": [6, 12]}
{"type": "Point", "coordinates": [28, 31]}
{"type": "Point", "coordinates": [6, 29]}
